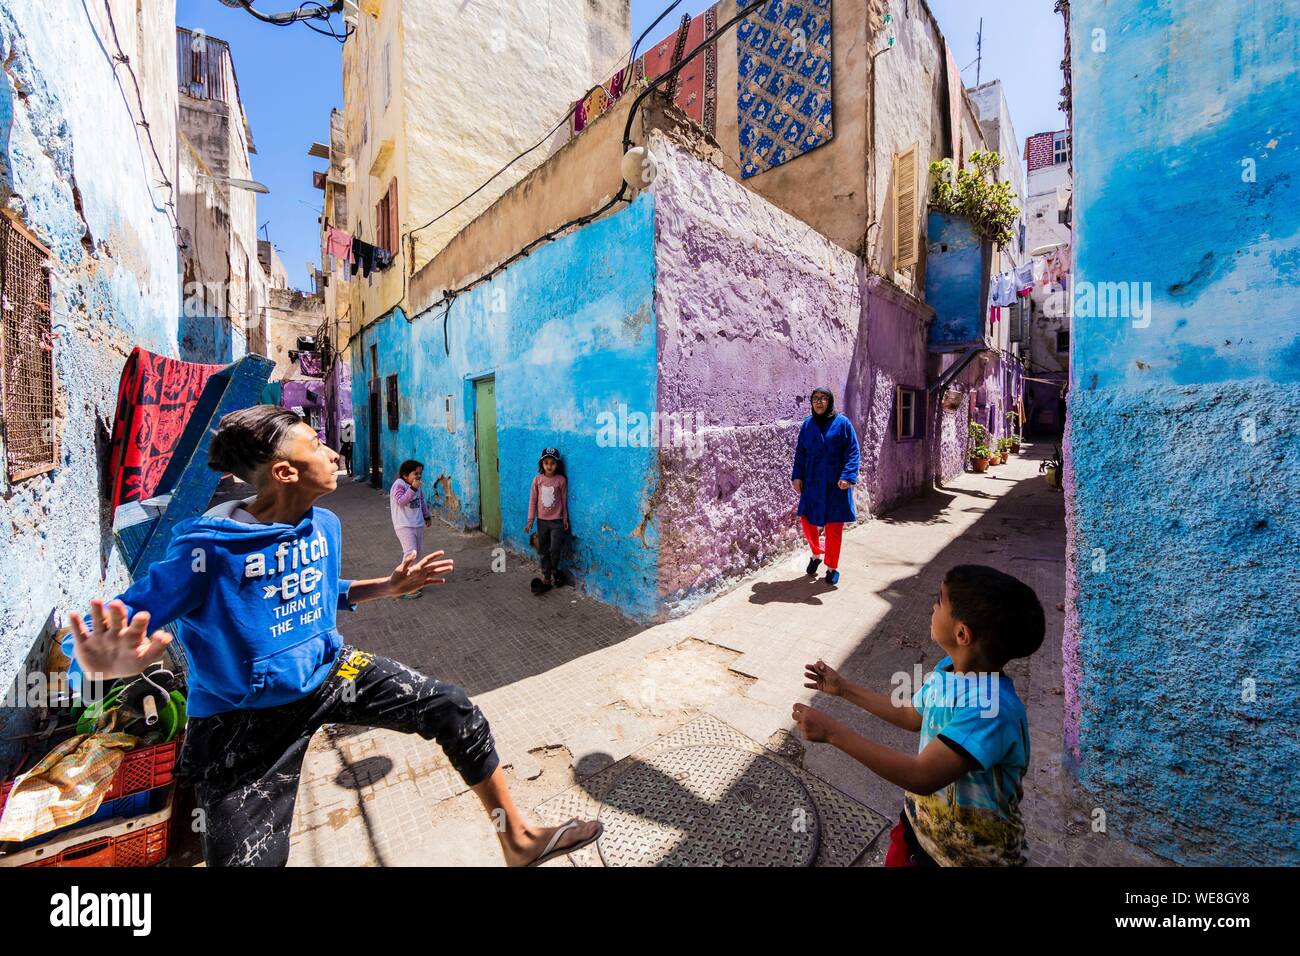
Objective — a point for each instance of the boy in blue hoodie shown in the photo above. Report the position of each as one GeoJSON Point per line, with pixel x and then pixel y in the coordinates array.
{"type": "Point", "coordinates": [255, 586]}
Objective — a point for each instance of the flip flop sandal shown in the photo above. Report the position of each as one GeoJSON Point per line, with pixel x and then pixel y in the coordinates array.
{"type": "Point", "coordinates": [551, 851]}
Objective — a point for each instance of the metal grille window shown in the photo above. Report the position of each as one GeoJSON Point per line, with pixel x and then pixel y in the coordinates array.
{"type": "Point", "coordinates": [392, 403]}
{"type": "Point", "coordinates": [26, 354]}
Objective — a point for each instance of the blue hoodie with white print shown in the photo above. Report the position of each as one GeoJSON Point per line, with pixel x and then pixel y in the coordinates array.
{"type": "Point", "coordinates": [256, 605]}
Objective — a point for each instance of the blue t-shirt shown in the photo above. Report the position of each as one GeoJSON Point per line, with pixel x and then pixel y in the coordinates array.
{"type": "Point", "coordinates": [974, 821]}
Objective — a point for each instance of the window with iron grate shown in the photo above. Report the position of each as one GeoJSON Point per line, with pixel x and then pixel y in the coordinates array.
{"type": "Point", "coordinates": [26, 354]}
{"type": "Point", "coordinates": [392, 403]}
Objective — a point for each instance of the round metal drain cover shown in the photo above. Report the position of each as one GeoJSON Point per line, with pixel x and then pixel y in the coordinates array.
{"type": "Point", "coordinates": [708, 806]}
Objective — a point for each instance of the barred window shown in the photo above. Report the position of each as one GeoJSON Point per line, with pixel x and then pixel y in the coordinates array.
{"type": "Point", "coordinates": [26, 354]}
{"type": "Point", "coordinates": [393, 419]}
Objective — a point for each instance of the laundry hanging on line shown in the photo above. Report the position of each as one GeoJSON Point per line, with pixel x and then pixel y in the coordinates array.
{"type": "Point", "coordinates": [369, 257]}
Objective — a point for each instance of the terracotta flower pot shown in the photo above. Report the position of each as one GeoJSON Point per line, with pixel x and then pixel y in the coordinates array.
{"type": "Point", "coordinates": [1053, 476]}
{"type": "Point", "coordinates": [1015, 449]}
{"type": "Point", "coordinates": [979, 464]}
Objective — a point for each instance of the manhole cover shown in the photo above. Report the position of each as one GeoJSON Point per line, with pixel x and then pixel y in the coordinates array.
{"type": "Point", "coordinates": [708, 806]}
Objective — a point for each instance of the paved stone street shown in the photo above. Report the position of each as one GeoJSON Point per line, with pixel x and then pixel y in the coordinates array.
{"type": "Point", "coordinates": [571, 686]}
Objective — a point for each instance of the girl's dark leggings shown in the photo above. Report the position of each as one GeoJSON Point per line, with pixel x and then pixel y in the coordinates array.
{"type": "Point", "coordinates": [245, 764]}
{"type": "Point", "coordinates": [550, 542]}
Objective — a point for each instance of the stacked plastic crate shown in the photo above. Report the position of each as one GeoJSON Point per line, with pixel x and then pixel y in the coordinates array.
{"type": "Point", "coordinates": [130, 828]}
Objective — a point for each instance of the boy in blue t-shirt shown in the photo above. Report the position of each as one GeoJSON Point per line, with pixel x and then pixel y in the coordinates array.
{"type": "Point", "coordinates": [255, 586]}
{"type": "Point", "coordinates": [962, 790]}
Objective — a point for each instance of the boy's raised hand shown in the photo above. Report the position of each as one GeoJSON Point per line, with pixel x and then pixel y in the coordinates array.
{"type": "Point", "coordinates": [115, 647]}
{"type": "Point", "coordinates": [822, 677]}
{"type": "Point", "coordinates": [411, 575]}
{"type": "Point", "coordinates": [815, 725]}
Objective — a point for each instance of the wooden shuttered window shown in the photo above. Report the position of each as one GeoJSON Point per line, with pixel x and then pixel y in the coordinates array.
{"type": "Point", "coordinates": [387, 232]}
{"type": "Point", "coordinates": [906, 183]}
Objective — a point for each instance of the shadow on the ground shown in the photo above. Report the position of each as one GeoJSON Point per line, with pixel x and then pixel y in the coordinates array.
{"type": "Point", "coordinates": [801, 590]}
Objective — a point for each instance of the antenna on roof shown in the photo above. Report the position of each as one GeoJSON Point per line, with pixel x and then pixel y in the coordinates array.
{"type": "Point", "coordinates": [979, 51]}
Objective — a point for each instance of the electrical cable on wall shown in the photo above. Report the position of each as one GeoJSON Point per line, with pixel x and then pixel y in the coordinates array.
{"type": "Point", "coordinates": [122, 58]}
{"type": "Point", "coordinates": [664, 77]}
{"type": "Point", "coordinates": [450, 295]}
{"type": "Point", "coordinates": [567, 116]}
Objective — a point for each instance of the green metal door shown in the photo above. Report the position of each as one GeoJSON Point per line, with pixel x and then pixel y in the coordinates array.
{"type": "Point", "coordinates": [485, 444]}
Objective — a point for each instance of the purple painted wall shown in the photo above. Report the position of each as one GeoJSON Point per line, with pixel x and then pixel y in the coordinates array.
{"type": "Point", "coordinates": [338, 400]}
{"type": "Point", "coordinates": [294, 393]}
{"type": "Point", "coordinates": [890, 352]}
{"type": "Point", "coordinates": [753, 309]}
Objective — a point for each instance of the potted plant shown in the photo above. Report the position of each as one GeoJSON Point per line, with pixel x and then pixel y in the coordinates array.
{"type": "Point", "coordinates": [1015, 444]}
{"type": "Point", "coordinates": [970, 213]}
{"type": "Point", "coordinates": [976, 194]}
{"type": "Point", "coordinates": [1051, 468]}
{"type": "Point", "coordinates": [977, 438]}
{"type": "Point", "coordinates": [1004, 448]}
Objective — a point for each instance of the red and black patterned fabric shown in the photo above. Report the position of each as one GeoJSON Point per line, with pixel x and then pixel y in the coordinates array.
{"type": "Point", "coordinates": [154, 401]}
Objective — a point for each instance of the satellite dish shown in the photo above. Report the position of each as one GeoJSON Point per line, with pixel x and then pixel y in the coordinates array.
{"type": "Point", "coordinates": [1050, 247]}
{"type": "Point", "coordinates": [233, 3]}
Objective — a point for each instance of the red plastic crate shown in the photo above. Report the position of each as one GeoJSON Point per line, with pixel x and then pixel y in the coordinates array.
{"type": "Point", "coordinates": [144, 769]}
{"type": "Point", "coordinates": [139, 841]}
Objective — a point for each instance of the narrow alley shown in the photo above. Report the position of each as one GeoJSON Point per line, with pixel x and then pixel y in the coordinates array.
{"type": "Point", "coordinates": [373, 797]}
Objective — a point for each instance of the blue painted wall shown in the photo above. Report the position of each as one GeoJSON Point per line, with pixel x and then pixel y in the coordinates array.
{"type": "Point", "coordinates": [77, 169]}
{"type": "Point", "coordinates": [1182, 698]}
{"type": "Point", "coordinates": [210, 339]}
{"type": "Point", "coordinates": [568, 333]}
{"type": "Point", "coordinates": [956, 282]}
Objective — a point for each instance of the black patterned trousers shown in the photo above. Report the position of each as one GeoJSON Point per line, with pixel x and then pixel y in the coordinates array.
{"type": "Point", "coordinates": [245, 764]}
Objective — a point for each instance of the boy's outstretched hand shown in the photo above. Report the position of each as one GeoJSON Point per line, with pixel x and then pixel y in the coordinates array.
{"type": "Point", "coordinates": [821, 676]}
{"type": "Point", "coordinates": [816, 726]}
{"type": "Point", "coordinates": [411, 575]}
{"type": "Point", "coordinates": [115, 647]}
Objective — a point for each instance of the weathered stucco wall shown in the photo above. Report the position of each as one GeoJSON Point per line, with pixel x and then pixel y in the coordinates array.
{"type": "Point", "coordinates": [754, 310]}
{"type": "Point", "coordinates": [1180, 672]}
{"type": "Point", "coordinates": [838, 209]}
{"type": "Point", "coordinates": [77, 168]}
{"type": "Point", "coordinates": [568, 333]}
{"type": "Point", "coordinates": [504, 74]}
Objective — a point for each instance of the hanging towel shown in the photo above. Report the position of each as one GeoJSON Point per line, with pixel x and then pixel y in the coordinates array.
{"type": "Point", "coordinates": [1025, 277]}
{"type": "Point", "coordinates": [338, 244]}
{"type": "Point", "coordinates": [1002, 289]}
{"type": "Point", "coordinates": [154, 399]}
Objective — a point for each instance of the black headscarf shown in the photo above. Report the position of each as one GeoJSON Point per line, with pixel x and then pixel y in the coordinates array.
{"type": "Point", "coordinates": [823, 420]}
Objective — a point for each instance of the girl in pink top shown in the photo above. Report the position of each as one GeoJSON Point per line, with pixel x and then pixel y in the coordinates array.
{"type": "Point", "coordinates": [548, 502]}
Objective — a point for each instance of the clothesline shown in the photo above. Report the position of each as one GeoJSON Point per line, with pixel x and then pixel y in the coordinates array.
{"type": "Point", "coordinates": [341, 246]}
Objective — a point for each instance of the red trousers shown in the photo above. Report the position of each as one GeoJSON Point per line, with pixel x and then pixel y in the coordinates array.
{"type": "Point", "coordinates": [834, 534]}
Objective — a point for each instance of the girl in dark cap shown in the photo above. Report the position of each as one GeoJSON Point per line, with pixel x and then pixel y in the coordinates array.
{"type": "Point", "coordinates": [548, 502]}
{"type": "Point", "coordinates": [825, 471]}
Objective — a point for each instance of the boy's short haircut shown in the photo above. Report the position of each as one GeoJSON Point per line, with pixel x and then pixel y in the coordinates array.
{"type": "Point", "coordinates": [408, 466]}
{"type": "Point", "coordinates": [1002, 612]}
{"type": "Point", "coordinates": [250, 437]}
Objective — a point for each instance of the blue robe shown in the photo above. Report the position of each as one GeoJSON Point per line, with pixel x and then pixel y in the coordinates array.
{"type": "Point", "coordinates": [821, 461]}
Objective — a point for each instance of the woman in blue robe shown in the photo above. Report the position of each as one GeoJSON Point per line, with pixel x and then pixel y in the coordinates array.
{"type": "Point", "coordinates": [825, 471]}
